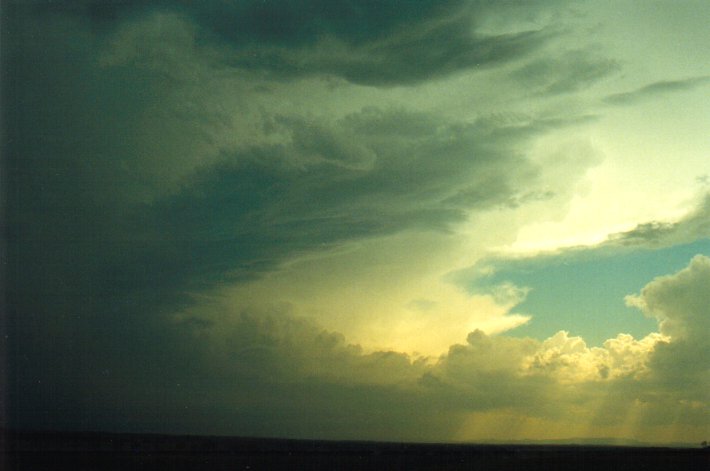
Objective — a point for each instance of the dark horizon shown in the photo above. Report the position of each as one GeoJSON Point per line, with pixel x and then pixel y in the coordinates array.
{"type": "Point", "coordinates": [567, 442]}
{"type": "Point", "coordinates": [56, 450]}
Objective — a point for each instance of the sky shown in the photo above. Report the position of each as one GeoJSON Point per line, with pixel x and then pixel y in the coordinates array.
{"type": "Point", "coordinates": [437, 221]}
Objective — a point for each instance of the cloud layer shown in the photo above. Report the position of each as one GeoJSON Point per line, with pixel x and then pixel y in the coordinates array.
{"type": "Point", "coordinates": [271, 373]}
{"type": "Point", "coordinates": [167, 161]}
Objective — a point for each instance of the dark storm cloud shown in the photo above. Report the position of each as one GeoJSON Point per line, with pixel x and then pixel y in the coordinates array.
{"type": "Point", "coordinates": [263, 373]}
{"type": "Point", "coordinates": [243, 22]}
{"type": "Point", "coordinates": [657, 89]}
{"type": "Point", "coordinates": [387, 43]}
{"type": "Point", "coordinates": [407, 58]}
{"type": "Point", "coordinates": [237, 218]}
{"type": "Point", "coordinates": [124, 204]}
{"type": "Point", "coordinates": [370, 43]}
{"type": "Point", "coordinates": [270, 373]}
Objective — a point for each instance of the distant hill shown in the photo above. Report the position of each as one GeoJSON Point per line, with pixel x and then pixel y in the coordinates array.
{"type": "Point", "coordinates": [624, 442]}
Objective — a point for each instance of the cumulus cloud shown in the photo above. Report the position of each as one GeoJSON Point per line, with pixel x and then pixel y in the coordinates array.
{"type": "Point", "coordinates": [639, 385]}
{"type": "Point", "coordinates": [269, 372]}
{"type": "Point", "coordinates": [570, 360]}
{"type": "Point", "coordinates": [630, 383]}
{"type": "Point", "coordinates": [679, 302]}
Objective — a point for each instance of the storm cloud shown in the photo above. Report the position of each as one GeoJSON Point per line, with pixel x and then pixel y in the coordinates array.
{"type": "Point", "coordinates": [383, 43]}
{"type": "Point", "coordinates": [159, 157]}
{"type": "Point", "coordinates": [133, 188]}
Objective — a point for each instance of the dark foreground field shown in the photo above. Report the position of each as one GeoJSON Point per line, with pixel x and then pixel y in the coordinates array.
{"type": "Point", "coordinates": [102, 451]}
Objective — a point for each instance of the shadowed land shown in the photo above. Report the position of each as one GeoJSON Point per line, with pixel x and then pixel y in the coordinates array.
{"type": "Point", "coordinates": [109, 451]}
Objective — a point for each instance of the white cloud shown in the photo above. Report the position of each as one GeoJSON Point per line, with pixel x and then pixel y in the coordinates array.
{"type": "Point", "coordinates": [569, 360]}
{"type": "Point", "coordinates": [680, 302]}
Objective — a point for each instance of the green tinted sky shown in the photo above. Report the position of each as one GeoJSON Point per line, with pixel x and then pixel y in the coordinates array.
{"type": "Point", "coordinates": [432, 220]}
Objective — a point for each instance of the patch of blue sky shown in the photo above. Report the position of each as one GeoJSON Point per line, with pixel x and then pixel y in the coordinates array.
{"type": "Point", "coordinates": [583, 291]}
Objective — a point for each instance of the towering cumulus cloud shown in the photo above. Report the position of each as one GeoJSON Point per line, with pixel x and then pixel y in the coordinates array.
{"type": "Point", "coordinates": [320, 219]}
{"type": "Point", "coordinates": [680, 304]}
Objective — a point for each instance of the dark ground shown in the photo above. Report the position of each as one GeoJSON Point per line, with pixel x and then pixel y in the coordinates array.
{"type": "Point", "coordinates": [39, 451]}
